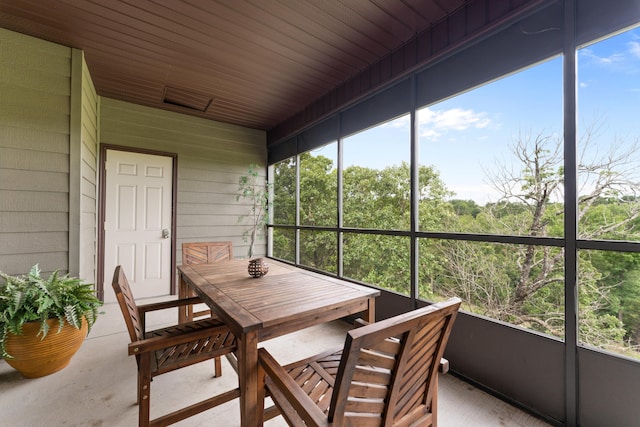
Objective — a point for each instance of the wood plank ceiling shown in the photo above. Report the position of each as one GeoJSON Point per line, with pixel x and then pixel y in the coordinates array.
{"type": "Point", "coordinates": [250, 63]}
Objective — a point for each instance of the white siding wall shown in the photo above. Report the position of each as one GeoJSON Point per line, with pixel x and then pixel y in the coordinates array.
{"type": "Point", "coordinates": [211, 158]}
{"type": "Point", "coordinates": [34, 153]}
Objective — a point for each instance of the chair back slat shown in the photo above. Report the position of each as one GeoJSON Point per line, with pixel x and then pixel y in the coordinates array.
{"type": "Point", "coordinates": [206, 252]}
{"type": "Point", "coordinates": [390, 345]}
{"type": "Point", "coordinates": [371, 375]}
{"type": "Point", "coordinates": [127, 305]}
{"type": "Point", "coordinates": [376, 358]}
{"type": "Point", "coordinates": [203, 253]}
{"type": "Point", "coordinates": [388, 370]}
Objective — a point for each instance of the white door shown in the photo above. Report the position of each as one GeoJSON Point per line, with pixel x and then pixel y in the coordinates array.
{"type": "Point", "coordinates": [137, 225]}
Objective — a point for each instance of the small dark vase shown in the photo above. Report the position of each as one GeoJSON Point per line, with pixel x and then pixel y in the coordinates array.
{"type": "Point", "coordinates": [258, 267]}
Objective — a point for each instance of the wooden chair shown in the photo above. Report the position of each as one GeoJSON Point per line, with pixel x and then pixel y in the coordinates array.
{"type": "Point", "coordinates": [386, 374]}
{"type": "Point", "coordinates": [167, 349]}
{"type": "Point", "coordinates": [200, 253]}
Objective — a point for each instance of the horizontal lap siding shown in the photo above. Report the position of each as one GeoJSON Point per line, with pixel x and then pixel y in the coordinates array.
{"type": "Point", "coordinates": [211, 158]}
{"type": "Point", "coordinates": [34, 153]}
{"type": "Point", "coordinates": [88, 174]}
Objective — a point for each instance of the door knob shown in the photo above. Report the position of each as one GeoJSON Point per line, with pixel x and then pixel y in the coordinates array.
{"type": "Point", "coordinates": [166, 234]}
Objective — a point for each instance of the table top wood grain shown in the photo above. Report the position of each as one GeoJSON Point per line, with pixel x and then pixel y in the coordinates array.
{"type": "Point", "coordinates": [285, 294]}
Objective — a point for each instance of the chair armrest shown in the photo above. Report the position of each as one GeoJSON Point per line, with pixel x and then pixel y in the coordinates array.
{"type": "Point", "coordinates": [168, 304]}
{"type": "Point", "coordinates": [443, 368]}
{"type": "Point", "coordinates": [157, 343]}
{"type": "Point", "coordinates": [304, 406]}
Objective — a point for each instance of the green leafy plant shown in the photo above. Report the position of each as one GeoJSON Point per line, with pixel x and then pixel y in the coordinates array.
{"type": "Point", "coordinates": [32, 298]}
{"type": "Point", "coordinates": [251, 188]}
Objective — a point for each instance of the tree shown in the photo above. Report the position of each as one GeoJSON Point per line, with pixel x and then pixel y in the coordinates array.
{"type": "Point", "coordinates": [519, 284]}
{"type": "Point", "coordinates": [252, 188]}
{"type": "Point", "coordinates": [531, 205]}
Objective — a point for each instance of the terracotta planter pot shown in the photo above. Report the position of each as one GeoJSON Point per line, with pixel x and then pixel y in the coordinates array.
{"type": "Point", "coordinates": [34, 357]}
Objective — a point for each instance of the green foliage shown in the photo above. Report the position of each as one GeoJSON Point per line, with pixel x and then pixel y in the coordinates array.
{"type": "Point", "coordinates": [318, 250]}
{"type": "Point", "coordinates": [32, 298]}
{"type": "Point", "coordinates": [284, 189]}
{"type": "Point", "coordinates": [318, 191]}
{"type": "Point", "coordinates": [516, 283]}
{"type": "Point", "coordinates": [379, 260]}
{"type": "Point", "coordinates": [465, 207]}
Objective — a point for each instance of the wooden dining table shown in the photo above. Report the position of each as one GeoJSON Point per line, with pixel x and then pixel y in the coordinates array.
{"type": "Point", "coordinates": [286, 299]}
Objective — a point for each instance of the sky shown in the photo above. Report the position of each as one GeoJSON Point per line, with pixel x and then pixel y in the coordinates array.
{"type": "Point", "coordinates": [466, 136]}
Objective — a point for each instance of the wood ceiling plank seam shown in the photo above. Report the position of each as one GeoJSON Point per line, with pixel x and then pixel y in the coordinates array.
{"type": "Point", "coordinates": [139, 34]}
{"type": "Point", "coordinates": [414, 14]}
{"type": "Point", "coordinates": [234, 108]}
{"type": "Point", "coordinates": [351, 14]}
{"type": "Point", "coordinates": [57, 25]}
{"type": "Point", "coordinates": [229, 109]}
{"type": "Point", "coordinates": [301, 40]}
{"type": "Point", "coordinates": [241, 83]}
{"type": "Point", "coordinates": [134, 82]}
{"type": "Point", "coordinates": [187, 61]}
{"type": "Point", "coordinates": [340, 34]}
{"type": "Point", "coordinates": [229, 53]}
{"type": "Point", "coordinates": [397, 21]}
{"type": "Point", "coordinates": [243, 22]}
{"type": "Point", "coordinates": [304, 65]}
{"type": "Point", "coordinates": [425, 13]}
{"type": "Point", "coordinates": [26, 20]}
{"type": "Point", "coordinates": [449, 7]}
{"type": "Point", "coordinates": [426, 9]}
{"type": "Point", "coordinates": [275, 90]}
{"type": "Point", "coordinates": [286, 43]}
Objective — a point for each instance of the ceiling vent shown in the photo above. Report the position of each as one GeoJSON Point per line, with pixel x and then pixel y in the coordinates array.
{"type": "Point", "coordinates": [190, 100]}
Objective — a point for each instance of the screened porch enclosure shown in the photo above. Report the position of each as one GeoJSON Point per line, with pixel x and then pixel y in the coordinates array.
{"type": "Point", "coordinates": [476, 158]}
{"type": "Point", "coordinates": [415, 190]}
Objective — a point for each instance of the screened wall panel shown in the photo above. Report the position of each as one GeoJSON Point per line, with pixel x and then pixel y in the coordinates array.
{"type": "Point", "coordinates": [525, 347]}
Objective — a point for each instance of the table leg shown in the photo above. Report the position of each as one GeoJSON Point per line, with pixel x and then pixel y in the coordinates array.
{"type": "Point", "coordinates": [370, 314]}
{"type": "Point", "coordinates": [184, 312]}
{"type": "Point", "coordinates": [248, 378]}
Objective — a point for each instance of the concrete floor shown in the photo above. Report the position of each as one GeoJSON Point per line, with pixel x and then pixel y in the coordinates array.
{"type": "Point", "coordinates": [98, 388]}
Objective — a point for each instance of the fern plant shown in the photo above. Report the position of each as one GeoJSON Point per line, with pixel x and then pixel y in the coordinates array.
{"type": "Point", "coordinates": [32, 298]}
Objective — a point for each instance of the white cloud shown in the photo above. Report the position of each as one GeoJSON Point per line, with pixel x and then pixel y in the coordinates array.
{"type": "Point", "coordinates": [434, 123]}
{"type": "Point", "coordinates": [402, 122]}
{"type": "Point", "coordinates": [480, 193]}
{"type": "Point", "coordinates": [613, 59]}
{"type": "Point", "coordinates": [634, 48]}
